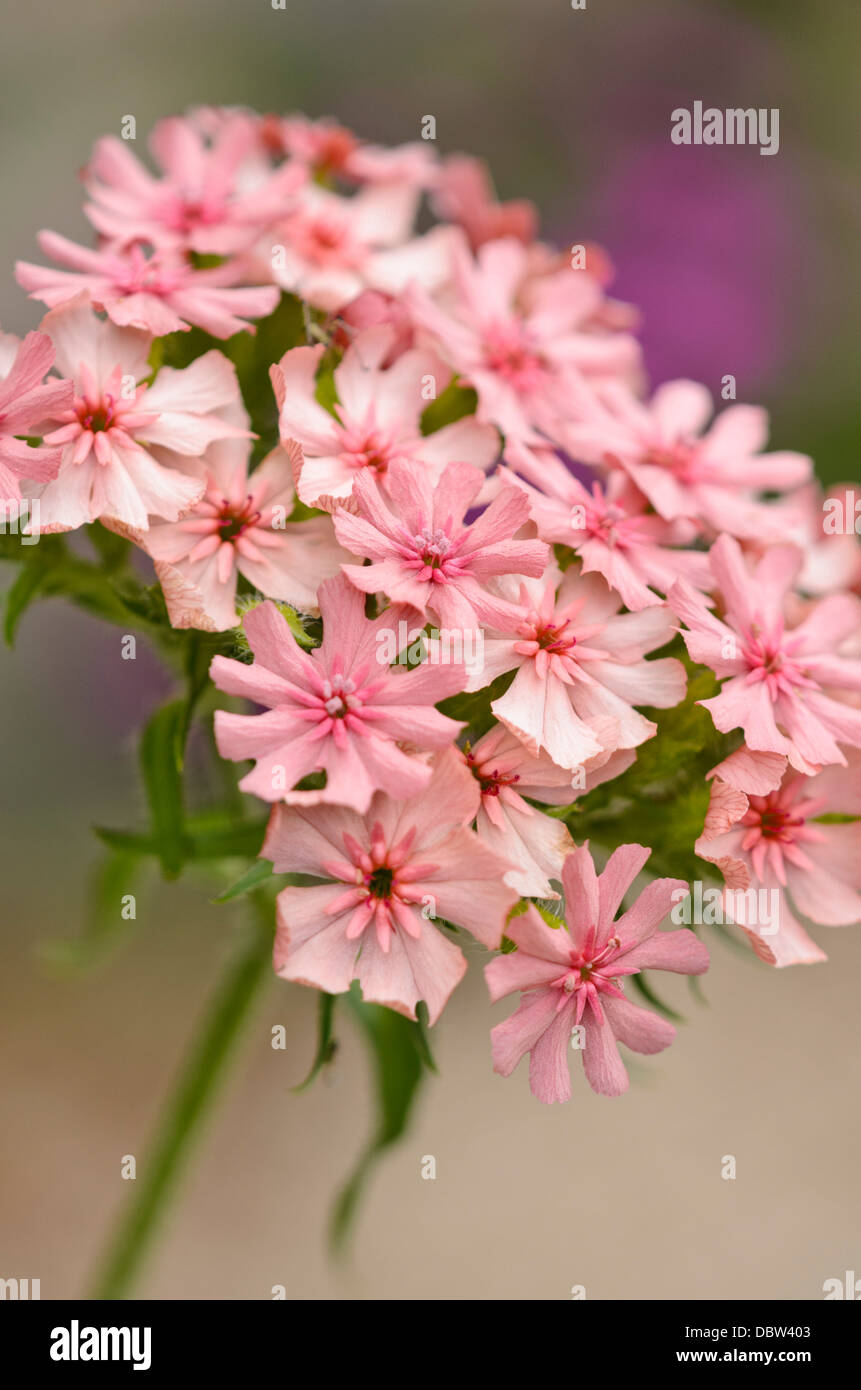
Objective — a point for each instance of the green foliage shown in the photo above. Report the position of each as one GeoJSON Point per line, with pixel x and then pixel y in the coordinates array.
{"type": "Point", "coordinates": [105, 925]}
{"type": "Point", "coordinates": [450, 405]}
{"type": "Point", "coordinates": [400, 1056]}
{"type": "Point", "coordinates": [252, 878]}
{"type": "Point", "coordinates": [473, 708]}
{"type": "Point", "coordinates": [327, 1044]}
{"type": "Point", "coordinates": [252, 355]}
{"type": "Point", "coordinates": [162, 754]}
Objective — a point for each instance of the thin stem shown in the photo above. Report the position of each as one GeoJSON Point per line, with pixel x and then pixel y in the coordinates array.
{"type": "Point", "coordinates": [186, 1107]}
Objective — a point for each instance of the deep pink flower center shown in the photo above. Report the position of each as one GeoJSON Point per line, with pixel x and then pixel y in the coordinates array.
{"type": "Point", "coordinates": [491, 780]}
{"type": "Point", "coordinates": [510, 352]}
{"type": "Point", "coordinates": [680, 459]}
{"type": "Point", "coordinates": [769, 657]}
{"type": "Point", "coordinates": [366, 446]}
{"type": "Point", "coordinates": [590, 974]}
{"type": "Point", "coordinates": [384, 885]}
{"type": "Point", "coordinates": [778, 827]}
{"type": "Point", "coordinates": [233, 521]}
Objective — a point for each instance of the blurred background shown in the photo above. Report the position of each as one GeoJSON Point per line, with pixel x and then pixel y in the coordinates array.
{"type": "Point", "coordinates": [741, 264]}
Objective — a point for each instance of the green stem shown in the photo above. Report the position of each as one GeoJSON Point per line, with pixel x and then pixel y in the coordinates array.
{"type": "Point", "coordinates": [186, 1107]}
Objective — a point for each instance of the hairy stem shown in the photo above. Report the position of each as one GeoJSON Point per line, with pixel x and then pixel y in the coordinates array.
{"type": "Point", "coordinates": [183, 1114]}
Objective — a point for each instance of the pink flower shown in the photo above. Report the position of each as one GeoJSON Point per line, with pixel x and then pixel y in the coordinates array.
{"type": "Point", "coordinates": [574, 977]}
{"type": "Point", "coordinates": [422, 551]}
{"type": "Point", "coordinates": [464, 194]}
{"type": "Point", "coordinates": [777, 844]}
{"type": "Point", "coordinates": [160, 292]}
{"type": "Point", "coordinates": [824, 526]}
{"type": "Point", "coordinates": [123, 442]}
{"type": "Point", "coordinates": [395, 870]}
{"type": "Point", "coordinates": [609, 527]}
{"type": "Point", "coordinates": [515, 336]}
{"type": "Point", "coordinates": [330, 150]}
{"type": "Point", "coordinates": [533, 844]}
{"type": "Point", "coordinates": [715, 477]}
{"type": "Point", "coordinates": [376, 421]}
{"type": "Point", "coordinates": [580, 661]}
{"type": "Point", "coordinates": [331, 248]}
{"type": "Point", "coordinates": [240, 526]}
{"type": "Point", "coordinates": [372, 309]}
{"type": "Point", "coordinates": [214, 196]}
{"type": "Point", "coordinates": [780, 680]}
{"type": "Point", "coordinates": [340, 709]}
{"type": "Point", "coordinates": [26, 401]}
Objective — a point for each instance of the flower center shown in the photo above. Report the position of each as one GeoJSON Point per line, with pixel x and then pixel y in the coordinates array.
{"type": "Point", "coordinates": [98, 418]}
{"type": "Point", "coordinates": [509, 352]}
{"type": "Point", "coordinates": [233, 521]}
{"type": "Point", "coordinates": [491, 781]}
{"type": "Point", "coordinates": [678, 459]}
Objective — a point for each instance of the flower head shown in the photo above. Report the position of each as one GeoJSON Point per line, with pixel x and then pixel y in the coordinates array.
{"type": "Point", "coordinates": [392, 872]}
{"type": "Point", "coordinates": [240, 526]}
{"type": "Point", "coordinates": [573, 977]}
{"type": "Point", "coordinates": [715, 476]}
{"type": "Point", "coordinates": [159, 291]}
{"type": "Point", "coordinates": [124, 441]}
{"type": "Point", "coordinates": [781, 680]}
{"type": "Point", "coordinates": [610, 527]}
{"type": "Point", "coordinates": [580, 667]}
{"type": "Point", "coordinates": [214, 196]}
{"type": "Point", "coordinates": [422, 550]}
{"type": "Point", "coordinates": [515, 335]}
{"type": "Point", "coordinates": [376, 421]}
{"type": "Point", "coordinates": [340, 709]}
{"type": "Point", "coordinates": [781, 843]}
{"type": "Point", "coordinates": [26, 402]}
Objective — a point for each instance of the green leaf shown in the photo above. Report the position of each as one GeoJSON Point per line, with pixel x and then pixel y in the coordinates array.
{"type": "Point", "coordinates": [28, 584]}
{"type": "Point", "coordinates": [258, 872]}
{"type": "Point", "coordinates": [473, 709]}
{"type": "Point", "coordinates": [162, 748]}
{"type": "Point", "coordinates": [450, 405]}
{"type": "Point", "coordinates": [641, 984]}
{"type": "Point", "coordinates": [327, 1045]}
{"type": "Point", "coordinates": [397, 1052]}
{"type": "Point", "coordinates": [106, 926]}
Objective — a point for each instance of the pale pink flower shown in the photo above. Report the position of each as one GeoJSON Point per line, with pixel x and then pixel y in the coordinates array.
{"type": "Point", "coordinates": [777, 844]}
{"type": "Point", "coordinates": [331, 151]}
{"type": "Point", "coordinates": [715, 476]}
{"type": "Point", "coordinates": [331, 248]}
{"type": "Point", "coordinates": [214, 196]}
{"type": "Point", "coordinates": [421, 549]}
{"type": "Point", "coordinates": [579, 661]}
{"type": "Point", "coordinates": [464, 193]}
{"type": "Point", "coordinates": [780, 680]}
{"type": "Point", "coordinates": [574, 977]}
{"type": "Point", "coordinates": [609, 527]}
{"type": "Point", "coordinates": [824, 526]}
{"type": "Point", "coordinates": [123, 442]}
{"type": "Point", "coordinates": [395, 869]}
{"type": "Point", "coordinates": [240, 526]}
{"type": "Point", "coordinates": [532, 843]}
{"type": "Point", "coordinates": [340, 708]}
{"type": "Point", "coordinates": [516, 336]}
{"type": "Point", "coordinates": [376, 420]}
{"type": "Point", "coordinates": [160, 291]}
{"type": "Point", "coordinates": [26, 402]}
{"type": "Point", "coordinates": [372, 309]}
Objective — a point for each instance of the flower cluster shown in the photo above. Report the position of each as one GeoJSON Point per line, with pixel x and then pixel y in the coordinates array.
{"type": "Point", "coordinates": [473, 563]}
